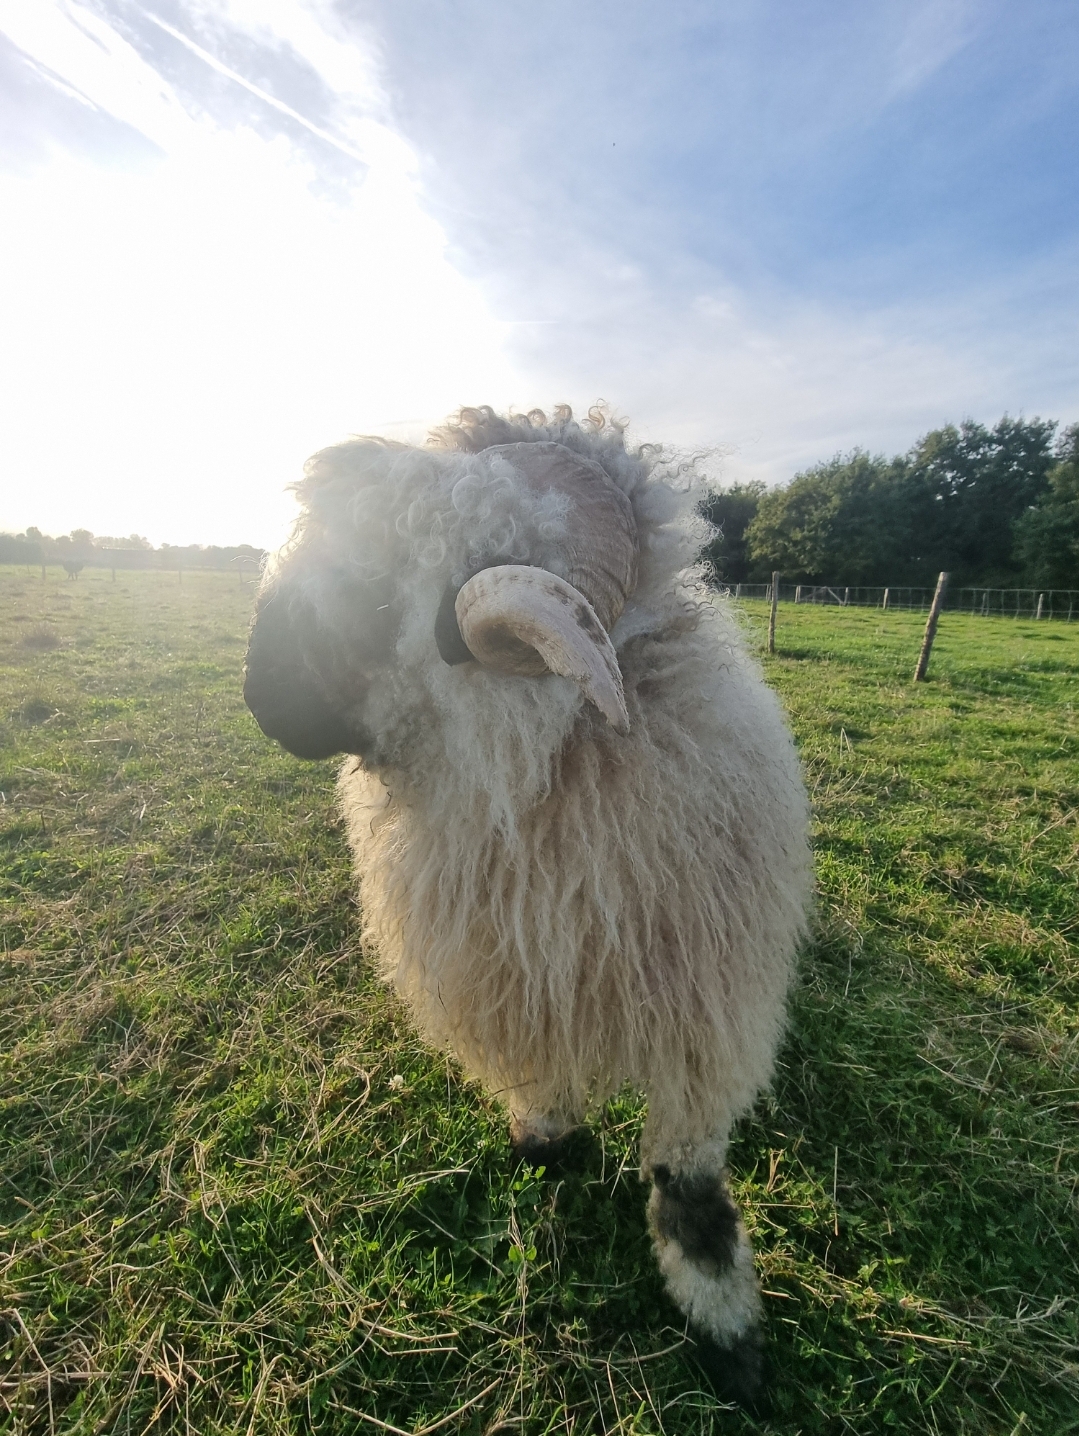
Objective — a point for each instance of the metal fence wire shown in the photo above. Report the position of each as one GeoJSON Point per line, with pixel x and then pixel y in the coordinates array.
{"type": "Point", "coordinates": [1059, 603]}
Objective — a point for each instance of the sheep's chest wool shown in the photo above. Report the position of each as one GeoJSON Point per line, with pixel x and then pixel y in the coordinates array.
{"type": "Point", "coordinates": [576, 812]}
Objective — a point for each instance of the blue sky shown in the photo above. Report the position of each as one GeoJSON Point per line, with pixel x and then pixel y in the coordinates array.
{"type": "Point", "coordinates": [839, 147]}
{"type": "Point", "coordinates": [774, 231]}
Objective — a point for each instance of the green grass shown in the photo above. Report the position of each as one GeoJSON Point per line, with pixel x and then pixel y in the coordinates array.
{"type": "Point", "coordinates": [237, 1195]}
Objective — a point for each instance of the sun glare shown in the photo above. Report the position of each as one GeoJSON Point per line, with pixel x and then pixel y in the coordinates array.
{"type": "Point", "coordinates": [183, 327]}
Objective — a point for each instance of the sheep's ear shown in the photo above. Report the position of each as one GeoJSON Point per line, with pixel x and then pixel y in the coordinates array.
{"type": "Point", "coordinates": [283, 693]}
{"type": "Point", "coordinates": [451, 646]}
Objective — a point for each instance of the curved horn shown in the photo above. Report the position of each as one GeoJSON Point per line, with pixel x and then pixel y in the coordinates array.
{"type": "Point", "coordinates": [529, 622]}
{"type": "Point", "coordinates": [601, 548]}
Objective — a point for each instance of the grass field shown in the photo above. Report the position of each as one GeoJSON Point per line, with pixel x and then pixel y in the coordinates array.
{"type": "Point", "coordinates": [238, 1196]}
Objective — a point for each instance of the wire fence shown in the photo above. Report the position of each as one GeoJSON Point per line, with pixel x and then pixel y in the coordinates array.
{"type": "Point", "coordinates": [1059, 603]}
{"type": "Point", "coordinates": [246, 562]}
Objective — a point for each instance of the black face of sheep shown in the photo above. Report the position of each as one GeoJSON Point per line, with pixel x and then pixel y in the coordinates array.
{"type": "Point", "coordinates": [285, 694]}
{"type": "Point", "coordinates": [578, 818]}
{"type": "Point", "coordinates": [306, 684]}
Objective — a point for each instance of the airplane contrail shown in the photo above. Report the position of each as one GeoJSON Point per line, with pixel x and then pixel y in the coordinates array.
{"type": "Point", "coordinates": [215, 64]}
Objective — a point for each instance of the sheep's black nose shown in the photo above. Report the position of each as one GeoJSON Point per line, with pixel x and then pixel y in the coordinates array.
{"type": "Point", "coordinates": [284, 694]}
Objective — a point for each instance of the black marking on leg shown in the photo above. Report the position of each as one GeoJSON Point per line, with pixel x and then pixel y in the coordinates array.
{"type": "Point", "coordinates": [696, 1212]}
{"type": "Point", "coordinates": [735, 1372]}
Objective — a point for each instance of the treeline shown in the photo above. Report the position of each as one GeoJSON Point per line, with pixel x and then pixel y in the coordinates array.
{"type": "Point", "coordinates": [81, 549]}
{"type": "Point", "coordinates": [998, 507]}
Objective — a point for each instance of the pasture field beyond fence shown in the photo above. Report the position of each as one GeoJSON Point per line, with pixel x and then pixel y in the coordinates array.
{"type": "Point", "coordinates": [238, 1196]}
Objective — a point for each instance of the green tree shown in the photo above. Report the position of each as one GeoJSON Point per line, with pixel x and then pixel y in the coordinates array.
{"type": "Point", "coordinates": [952, 502]}
{"type": "Point", "coordinates": [840, 521]}
{"type": "Point", "coordinates": [1047, 537]}
{"type": "Point", "coordinates": [967, 488]}
{"type": "Point", "coordinates": [732, 511]}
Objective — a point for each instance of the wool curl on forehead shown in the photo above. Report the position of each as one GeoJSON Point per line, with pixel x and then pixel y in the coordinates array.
{"type": "Point", "coordinates": [403, 505]}
{"type": "Point", "coordinates": [662, 485]}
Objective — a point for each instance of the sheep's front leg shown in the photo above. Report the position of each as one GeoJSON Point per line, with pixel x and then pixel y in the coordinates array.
{"type": "Point", "coordinates": [704, 1253]}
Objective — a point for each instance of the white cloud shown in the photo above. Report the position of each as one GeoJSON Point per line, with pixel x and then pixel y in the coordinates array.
{"type": "Point", "coordinates": [185, 330]}
{"type": "Point", "coordinates": [932, 33]}
{"type": "Point", "coordinates": [184, 333]}
{"type": "Point", "coordinates": [80, 48]}
{"type": "Point", "coordinates": [773, 382]}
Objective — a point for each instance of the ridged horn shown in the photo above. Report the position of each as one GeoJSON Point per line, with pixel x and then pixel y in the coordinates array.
{"type": "Point", "coordinates": [528, 621]}
{"type": "Point", "coordinates": [601, 546]}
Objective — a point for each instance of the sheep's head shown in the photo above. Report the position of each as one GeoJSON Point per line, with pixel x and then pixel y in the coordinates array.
{"type": "Point", "coordinates": [519, 558]}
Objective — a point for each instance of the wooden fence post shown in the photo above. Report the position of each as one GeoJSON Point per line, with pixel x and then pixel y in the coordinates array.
{"type": "Point", "coordinates": [931, 628]}
{"type": "Point", "coordinates": [887, 594]}
{"type": "Point", "coordinates": [772, 614]}
{"type": "Point", "coordinates": [1041, 603]}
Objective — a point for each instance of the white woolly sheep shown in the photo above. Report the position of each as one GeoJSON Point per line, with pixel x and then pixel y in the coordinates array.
{"type": "Point", "coordinates": [575, 808]}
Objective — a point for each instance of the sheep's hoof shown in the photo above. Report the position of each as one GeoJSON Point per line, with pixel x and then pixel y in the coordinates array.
{"type": "Point", "coordinates": [547, 1152]}
{"type": "Point", "coordinates": [557, 1154]}
{"type": "Point", "coordinates": [735, 1372]}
